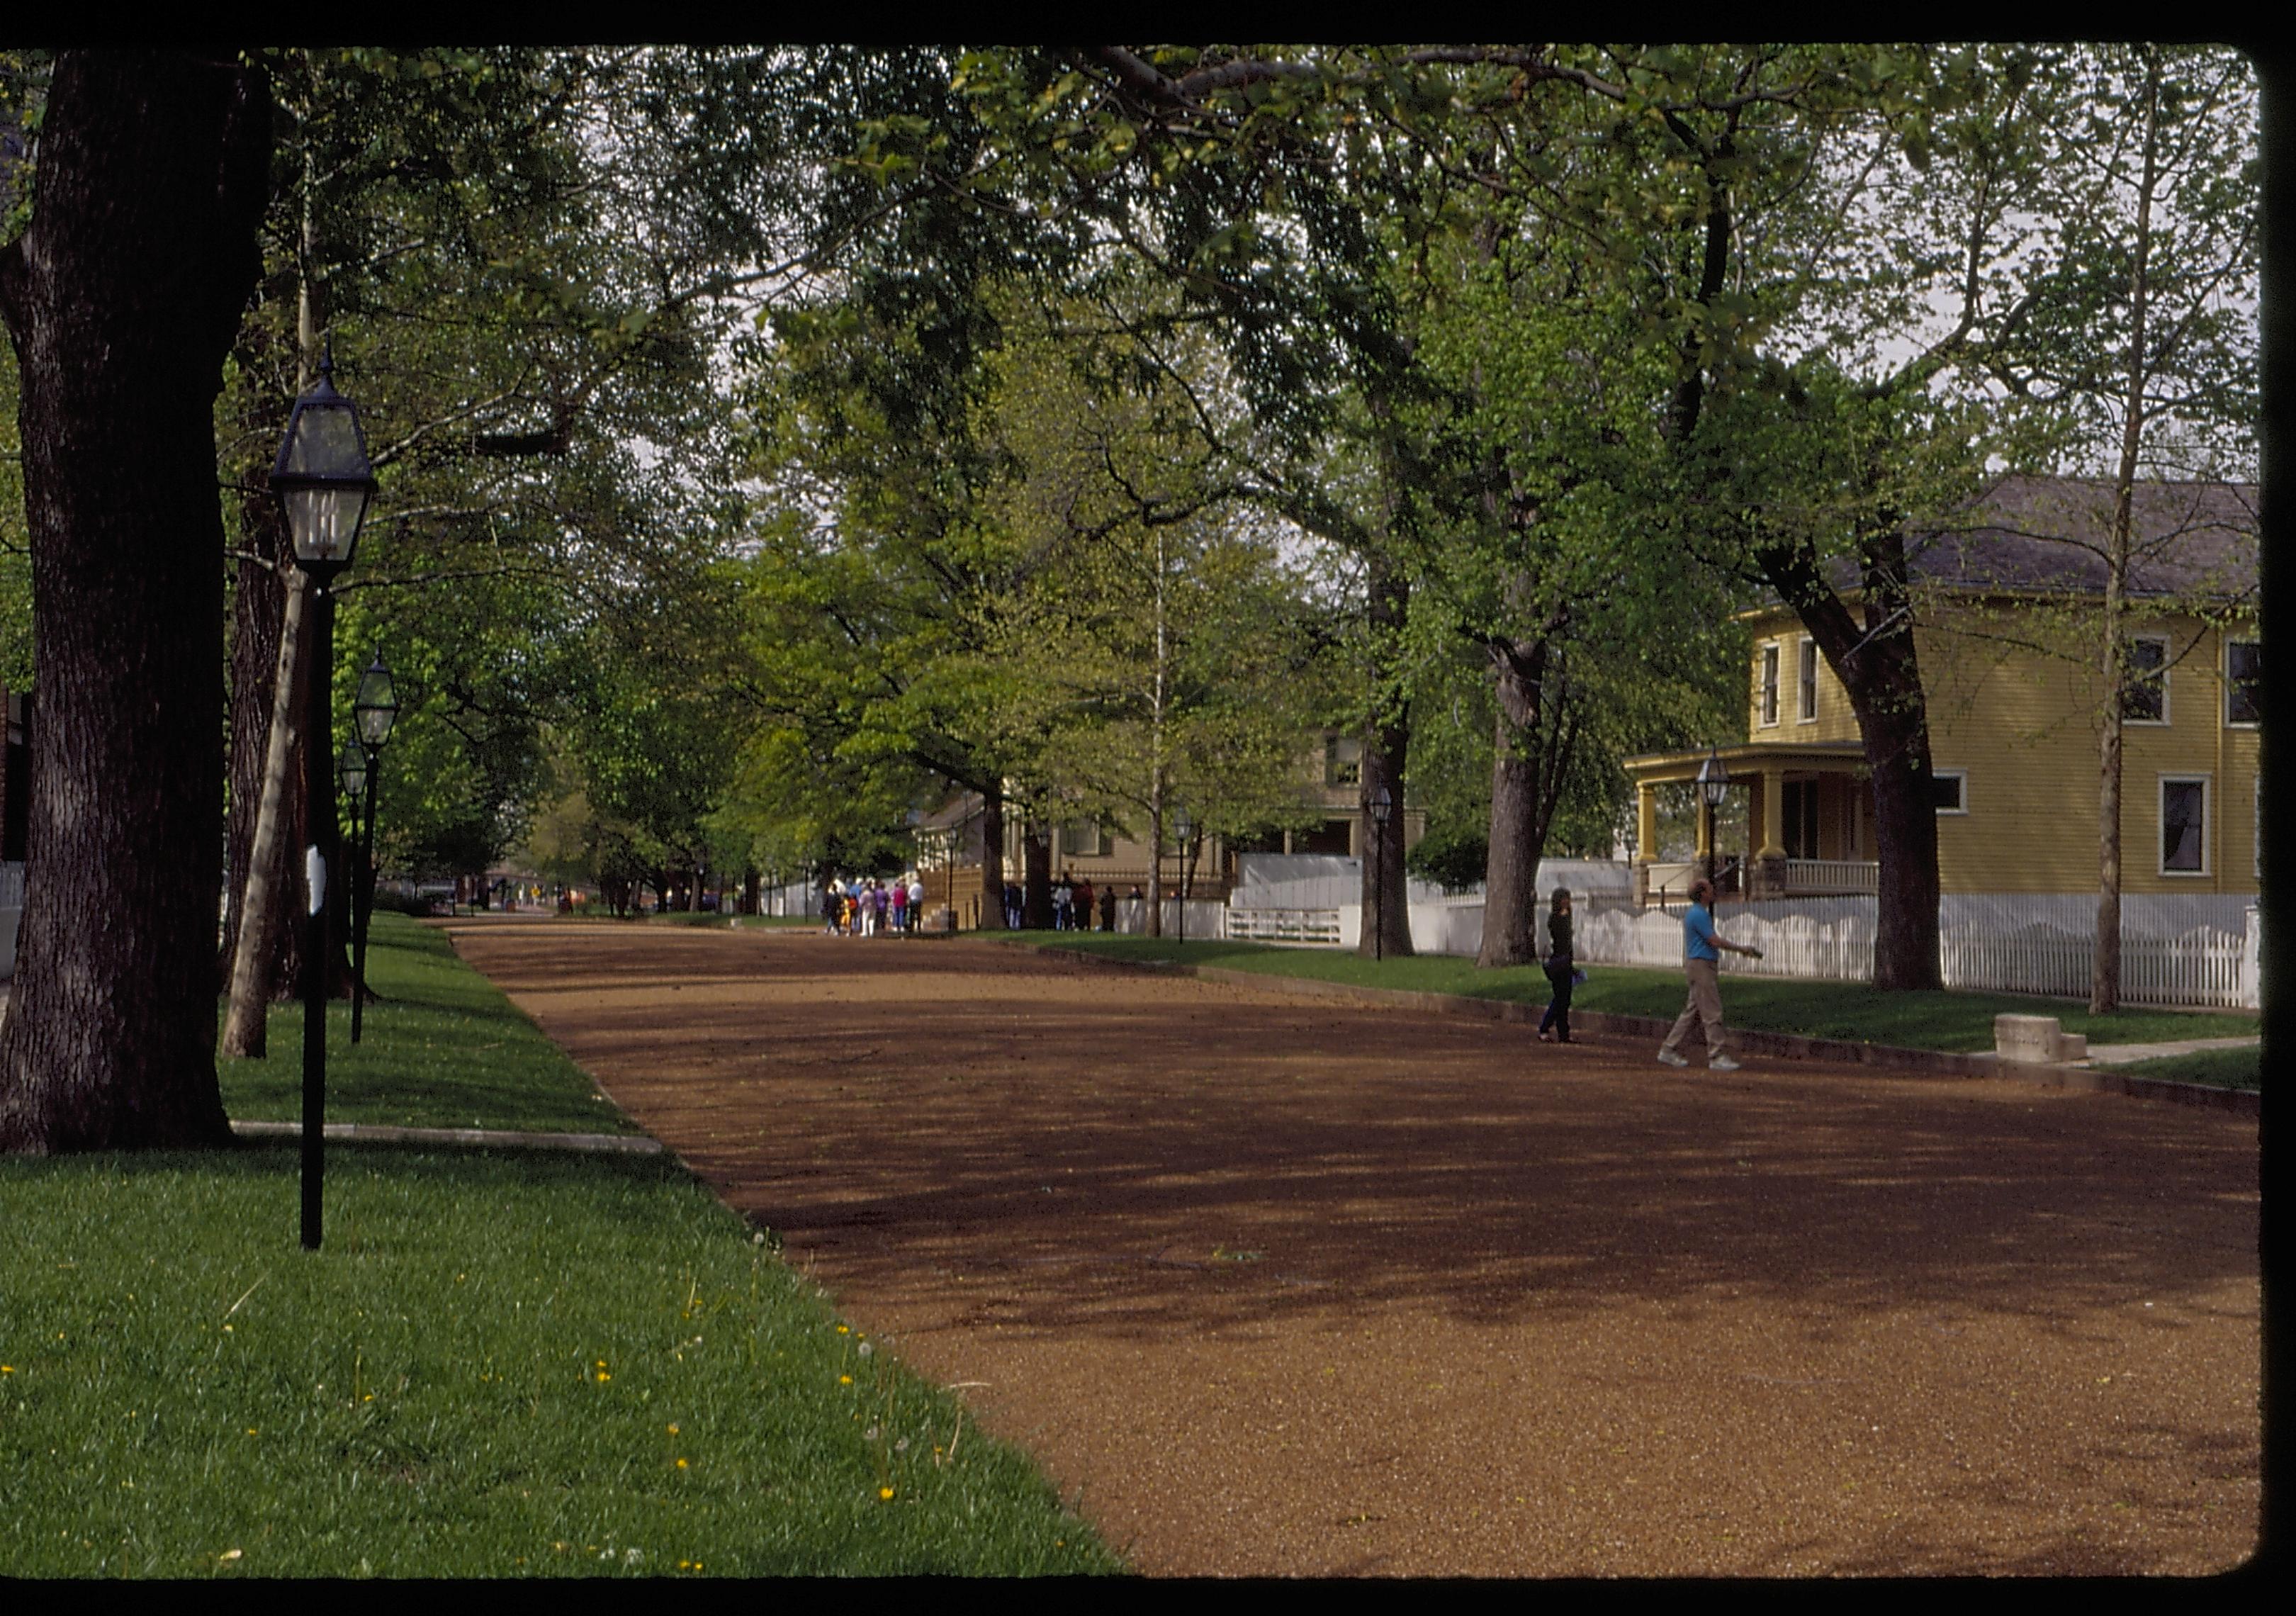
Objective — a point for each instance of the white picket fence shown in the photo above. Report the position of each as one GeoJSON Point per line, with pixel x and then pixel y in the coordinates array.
{"type": "Point", "coordinates": [1320, 926]}
{"type": "Point", "coordinates": [1833, 938]}
{"type": "Point", "coordinates": [2197, 951]}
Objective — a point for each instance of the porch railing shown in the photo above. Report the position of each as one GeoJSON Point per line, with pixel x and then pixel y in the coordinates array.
{"type": "Point", "coordinates": [1814, 875]}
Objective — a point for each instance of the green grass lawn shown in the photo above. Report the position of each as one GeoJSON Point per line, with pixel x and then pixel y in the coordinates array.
{"type": "Point", "coordinates": [1946, 1020]}
{"type": "Point", "coordinates": [441, 1047]}
{"type": "Point", "coordinates": [502, 1362]}
{"type": "Point", "coordinates": [2216, 1068]}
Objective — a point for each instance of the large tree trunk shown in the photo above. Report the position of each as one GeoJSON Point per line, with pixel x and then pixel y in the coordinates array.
{"type": "Point", "coordinates": [1874, 660]}
{"type": "Point", "coordinates": [122, 300]}
{"type": "Point", "coordinates": [1386, 756]}
{"type": "Point", "coordinates": [1536, 734]}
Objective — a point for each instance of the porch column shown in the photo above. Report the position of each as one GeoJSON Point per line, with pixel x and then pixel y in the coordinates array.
{"type": "Point", "coordinates": [1769, 872]}
{"type": "Point", "coordinates": [1645, 839]}
{"type": "Point", "coordinates": [1774, 814]}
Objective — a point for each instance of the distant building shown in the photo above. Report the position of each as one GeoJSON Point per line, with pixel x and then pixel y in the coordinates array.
{"type": "Point", "coordinates": [949, 841]}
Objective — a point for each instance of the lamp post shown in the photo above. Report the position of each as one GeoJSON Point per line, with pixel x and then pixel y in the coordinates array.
{"type": "Point", "coordinates": [325, 482]}
{"type": "Point", "coordinates": [1713, 781]}
{"type": "Point", "coordinates": [351, 769]}
{"type": "Point", "coordinates": [1182, 826]}
{"type": "Point", "coordinates": [1381, 804]}
{"type": "Point", "coordinates": [373, 710]}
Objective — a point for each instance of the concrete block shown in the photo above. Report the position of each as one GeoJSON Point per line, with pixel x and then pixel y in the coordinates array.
{"type": "Point", "coordinates": [2072, 1047]}
{"type": "Point", "coordinates": [2030, 1039]}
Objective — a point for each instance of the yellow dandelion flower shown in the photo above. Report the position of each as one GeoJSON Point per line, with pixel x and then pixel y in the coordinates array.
{"type": "Point", "coordinates": [884, 1492]}
{"type": "Point", "coordinates": [844, 1329]}
{"type": "Point", "coordinates": [673, 1430]}
{"type": "Point", "coordinates": [603, 1376]}
{"type": "Point", "coordinates": [845, 1380]}
{"type": "Point", "coordinates": [681, 1464]}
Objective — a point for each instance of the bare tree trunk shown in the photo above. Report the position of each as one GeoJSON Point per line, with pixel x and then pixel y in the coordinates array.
{"type": "Point", "coordinates": [1511, 872]}
{"type": "Point", "coordinates": [1155, 918]}
{"type": "Point", "coordinates": [1385, 925]}
{"type": "Point", "coordinates": [122, 299]}
{"type": "Point", "coordinates": [1036, 896]}
{"type": "Point", "coordinates": [258, 605]}
{"type": "Point", "coordinates": [2104, 958]}
{"type": "Point", "coordinates": [1159, 784]}
{"type": "Point", "coordinates": [266, 933]}
{"type": "Point", "coordinates": [268, 948]}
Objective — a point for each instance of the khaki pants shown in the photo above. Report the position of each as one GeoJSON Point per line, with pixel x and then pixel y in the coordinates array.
{"type": "Point", "coordinates": [1704, 1005]}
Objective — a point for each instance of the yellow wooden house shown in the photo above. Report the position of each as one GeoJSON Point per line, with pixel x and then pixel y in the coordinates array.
{"type": "Point", "coordinates": [2008, 608]}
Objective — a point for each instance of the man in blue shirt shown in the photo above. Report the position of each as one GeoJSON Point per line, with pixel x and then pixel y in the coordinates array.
{"type": "Point", "coordinates": [1701, 961]}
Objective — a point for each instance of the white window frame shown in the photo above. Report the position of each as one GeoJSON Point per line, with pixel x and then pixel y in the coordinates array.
{"type": "Point", "coordinates": [1766, 685]}
{"type": "Point", "coordinates": [1961, 774]}
{"type": "Point", "coordinates": [2162, 782]}
{"type": "Point", "coordinates": [1806, 681]}
{"type": "Point", "coordinates": [2166, 648]}
{"type": "Point", "coordinates": [2231, 722]}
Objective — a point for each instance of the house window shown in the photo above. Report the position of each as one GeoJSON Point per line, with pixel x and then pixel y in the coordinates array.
{"type": "Point", "coordinates": [2184, 825]}
{"type": "Point", "coordinates": [1343, 761]}
{"type": "Point", "coordinates": [1949, 790]}
{"type": "Point", "coordinates": [2243, 682]}
{"type": "Point", "coordinates": [1769, 684]}
{"type": "Point", "coordinates": [2144, 681]}
{"type": "Point", "coordinates": [1085, 839]}
{"type": "Point", "coordinates": [1808, 713]}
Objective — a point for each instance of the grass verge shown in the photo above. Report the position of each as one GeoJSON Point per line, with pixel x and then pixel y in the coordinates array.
{"type": "Point", "coordinates": [501, 1364]}
{"type": "Point", "coordinates": [441, 1047]}
{"type": "Point", "coordinates": [1951, 1021]}
{"type": "Point", "coordinates": [2215, 1068]}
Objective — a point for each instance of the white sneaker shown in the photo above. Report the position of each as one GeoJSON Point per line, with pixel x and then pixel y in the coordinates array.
{"type": "Point", "coordinates": [1667, 1057]}
{"type": "Point", "coordinates": [1721, 1062]}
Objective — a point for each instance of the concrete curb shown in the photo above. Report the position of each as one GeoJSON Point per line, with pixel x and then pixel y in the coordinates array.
{"type": "Point", "coordinates": [1783, 1046]}
{"type": "Point", "coordinates": [382, 1133]}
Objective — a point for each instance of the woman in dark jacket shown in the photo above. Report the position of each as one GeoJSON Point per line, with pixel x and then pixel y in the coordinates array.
{"type": "Point", "coordinates": [1554, 1025]}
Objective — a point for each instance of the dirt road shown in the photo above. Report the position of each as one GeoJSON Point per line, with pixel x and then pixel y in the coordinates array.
{"type": "Point", "coordinates": [1277, 1287]}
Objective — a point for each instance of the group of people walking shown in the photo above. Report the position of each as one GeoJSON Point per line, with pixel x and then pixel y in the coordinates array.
{"type": "Point", "coordinates": [1073, 905]}
{"type": "Point", "coordinates": [1701, 960]}
{"type": "Point", "coordinates": [870, 907]}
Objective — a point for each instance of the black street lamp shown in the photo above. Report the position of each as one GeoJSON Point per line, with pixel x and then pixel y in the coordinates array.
{"type": "Point", "coordinates": [325, 482]}
{"type": "Point", "coordinates": [1381, 804]}
{"type": "Point", "coordinates": [1713, 781]}
{"type": "Point", "coordinates": [373, 710]}
{"type": "Point", "coordinates": [1182, 826]}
